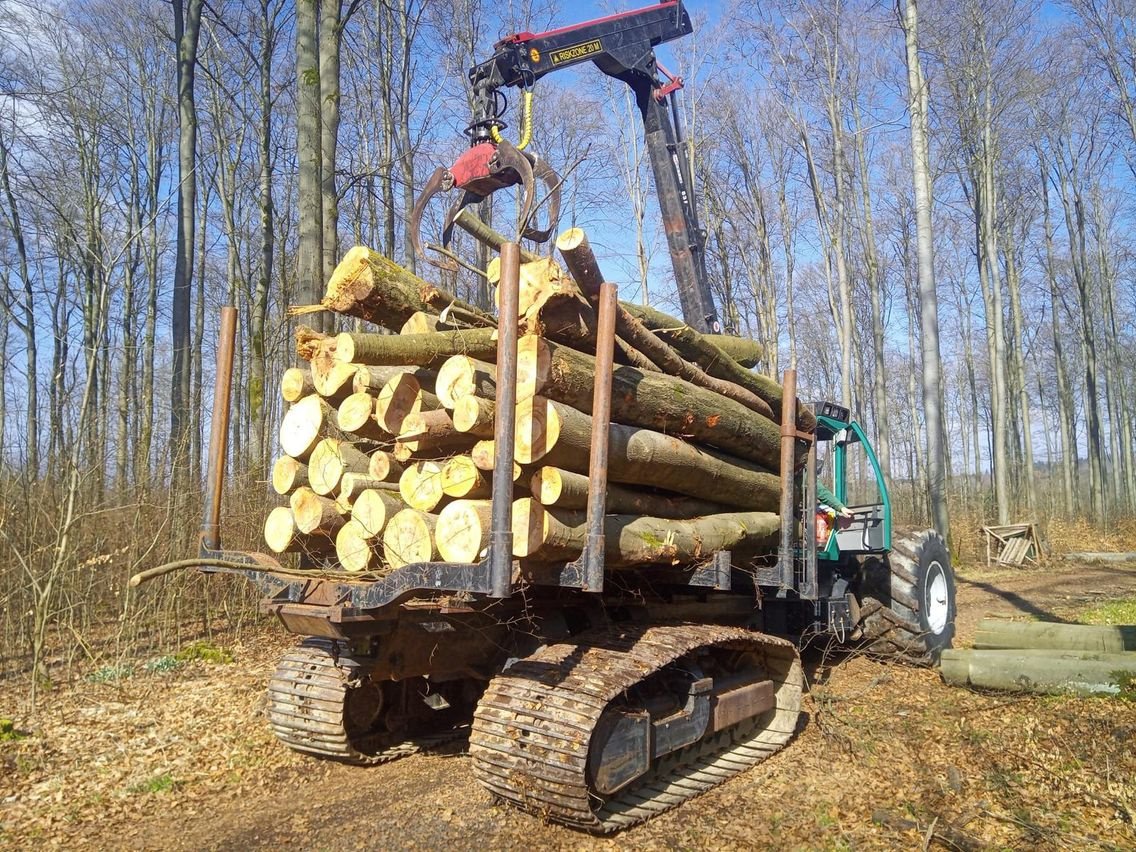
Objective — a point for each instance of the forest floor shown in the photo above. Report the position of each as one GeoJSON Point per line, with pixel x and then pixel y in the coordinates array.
{"type": "Point", "coordinates": [180, 757]}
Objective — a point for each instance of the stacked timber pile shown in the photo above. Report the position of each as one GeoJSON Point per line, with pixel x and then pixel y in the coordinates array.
{"type": "Point", "coordinates": [1046, 657]}
{"type": "Point", "coordinates": [388, 442]}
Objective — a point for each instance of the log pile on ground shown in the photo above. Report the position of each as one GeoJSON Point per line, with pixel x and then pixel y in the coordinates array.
{"type": "Point", "coordinates": [1048, 658]}
{"type": "Point", "coordinates": [388, 441]}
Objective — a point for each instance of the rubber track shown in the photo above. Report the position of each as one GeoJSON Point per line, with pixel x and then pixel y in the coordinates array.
{"type": "Point", "coordinates": [533, 727]}
{"type": "Point", "coordinates": [306, 699]}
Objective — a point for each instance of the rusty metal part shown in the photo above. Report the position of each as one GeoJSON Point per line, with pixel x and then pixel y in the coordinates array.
{"type": "Point", "coordinates": [785, 560]}
{"type": "Point", "coordinates": [501, 530]}
{"type": "Point", "coordinates": [601, 418]}
{"type": "Point", "coordinates": [321, 705]}
{"type": "Point", "coordinates": [219, 433]}
{"type": "Point", "coordinates": [536, 724]}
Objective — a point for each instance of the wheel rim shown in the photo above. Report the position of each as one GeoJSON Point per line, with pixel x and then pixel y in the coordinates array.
{"type": "Point", "coordinates": [938, 605]}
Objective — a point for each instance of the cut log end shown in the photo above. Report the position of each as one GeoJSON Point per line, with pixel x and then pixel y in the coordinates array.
{"type": "Point", "coordinates": [409, 538]}
{"type": "Point", "coordinates": [288, 474]}
{"type": "Point", "coordinates": [462, 532]}
{"type": "Point", "coordinates": [354, 547]}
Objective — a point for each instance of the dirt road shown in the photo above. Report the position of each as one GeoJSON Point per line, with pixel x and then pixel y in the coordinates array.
{"type": "Point", "coordinates": [886, 757]}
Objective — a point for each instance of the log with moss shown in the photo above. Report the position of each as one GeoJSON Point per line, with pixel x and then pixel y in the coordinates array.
{"type": "Point", "coordinates": [1046, 671]}
{"type": "Point", "coordinates": [369, 286]}
{"type": "Point", "coordinates": [547, 534]}
{"type": "Point", "coordinates": [563, 489]}
{"type": "Point", "coordinates": [554, 434]}
{"type": "Point", "coordinates": [652, 400]}
{"type": "Point", "coordinates": [423, 350]}
{"type": "Point", "coordinates": [996, 634]}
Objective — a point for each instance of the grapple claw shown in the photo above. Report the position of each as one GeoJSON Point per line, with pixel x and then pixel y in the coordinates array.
{"type": "Point", "coordinates": [478, 173]}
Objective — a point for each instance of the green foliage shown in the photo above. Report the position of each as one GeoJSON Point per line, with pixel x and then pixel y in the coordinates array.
{"type": "Point", "coordinates": [1122, 611]}
{"type": "Point", "coordinates": [8, 732]}
{"type": "Point", "coordinates": [1127, 683]}
{"type": "Point", "coordinates": [163, 783]}
{"type": "Point", "coordinates": [110, 674]}
{"type": "Point", "coordinates": [204, 651]}
{"type": "Point", "coordinates": [310, 76]}
{"type": "Point", "coordinates": [161, 665]}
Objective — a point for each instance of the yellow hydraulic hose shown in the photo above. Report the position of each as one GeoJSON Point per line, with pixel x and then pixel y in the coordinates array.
{"type": "Point", "coordinates": [526, 123]}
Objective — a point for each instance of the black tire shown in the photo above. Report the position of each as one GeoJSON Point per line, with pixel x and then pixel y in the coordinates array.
{"type": "Point", "coordinates": [907, 600]}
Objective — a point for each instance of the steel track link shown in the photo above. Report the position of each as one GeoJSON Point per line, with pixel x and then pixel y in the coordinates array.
{"type": "Point", "coordinates": [307, 699]}
{"type": "Point", "coordinates": [533, 727]}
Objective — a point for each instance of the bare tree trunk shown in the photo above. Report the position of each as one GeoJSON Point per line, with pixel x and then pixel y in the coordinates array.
{"type": "Point", "coordinates": [329, 38]}
{"type": "Point", "coordinates": [310, 159]}
{"type": "Point", "coordinates": [1028, 482]}
{"type": "Point", "coordinates": [187, 26]}
{"type": "Point", "coordinates": [928, 299]}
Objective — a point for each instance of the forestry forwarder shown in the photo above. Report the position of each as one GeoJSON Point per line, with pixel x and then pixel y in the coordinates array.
{"type": "Point", "coordinates": [598, 698]}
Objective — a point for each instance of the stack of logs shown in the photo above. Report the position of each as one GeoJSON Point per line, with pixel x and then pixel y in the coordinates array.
{"type": "Point", "coordinates": [388, 441]}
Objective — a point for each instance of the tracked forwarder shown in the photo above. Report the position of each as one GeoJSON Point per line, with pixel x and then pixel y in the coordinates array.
{"type": "Point", "coordinates": [600, 681]}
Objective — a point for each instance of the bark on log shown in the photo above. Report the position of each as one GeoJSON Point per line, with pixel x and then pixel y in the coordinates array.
{"type": "Point", "coordinates": [557, 435]}
{"type": "Point", "coordinates": [373, 509]}
{"type": "Point", "coordinates": [401, 397]}
{"type": "Point", "coordinates": [356, 415]}
{"type": "Point", "coordinates": [462, 376]}
{"type": "Point", "coordinates": [462, 531]}
{"type": "Point", "coordinates": [421, 485]}
{"type": "Point", "coordinates": [315, 514]}
{"type": "Point", "coordinates": [423, 350]}
{"type": "Point", "coordinates": [1040, 671]}
{"type": "Point", "coordinates": [430, 431]}
{"type": "Point", "coordinates": [354, 548]}
{"type": "Point", "coordinates": [652, 400]}
{"type": "Point", "coordinates": [564, 489]}
{"type": "Point", "coordinates": [282, 536]}
{"type": "Point", "coordinates": [696, 348]}
{"type": "Point", "coordinates": [374, 288]}
{"type": "Point", "coordinates": [748, 353]}
{"type": "Point", "coordinates": [288, 474]}
{"type": "Point", "coordinates": [308, 422]}
{"type": "Point", "coordinates": [635, 540]}
{"type": "Point", "coordinates": [409, 538]}
{"type": "Point", "coordinates": [330, 460]}
{"type": "Point", "coordinates": [461, 478]}
{"type": "Point", "coordinates": [995, 634]}
{"type": "Point", "coordinates": [354, 484]}
{"type": "Point", "coordinates": [371, 378]}
{"type": "Point", "coordinates": [296, 383]}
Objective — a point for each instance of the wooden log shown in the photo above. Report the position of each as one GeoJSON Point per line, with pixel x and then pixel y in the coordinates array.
{"type": "Point", "coordinates": [282, 535]}
{"type": "Point", "coordinates": [430, 431]}
{"type": "Point", "coordinates": [402, 396]}
{"type": "Point", "coordinates": [315, 514]}
{"type": "Point", "coordinates": [354, 484]}
{"type": "Point", "coordinates": [384, 467]}
{"type": "Point", "coordinates": [484, 456]}
{"type": "Point", "coordinates": [373, 509]}
{"type": "Point", "coordinates": [557, 435]}
{"type": "Point", "coordinates": [423, 350]}
{"type": "Point", "coordinates": [462, 531]}
{"type": "Point", "coordinates": [357, 415]}
{"type": "Point", "coordinates": [330, 461]}
{"type": "Point", "coordinates": [334, 380]}
{"type": "Point", "coordinates": [563, 489]}
{"type": "Point", "coordinates": [374, 288]}
{"type": "Point", "coordinates": [308, 342]}
{"type": "Point", "coordinates": [421, 485]}
{"type": "Point", "coordinates": [355, 548]}
{"type": "Point", "coordinates": [462, 376]}
{"type": "Point", "coordinates": [636, 540]}
{"type": "Point", "coordinates": [996, 634]}
{"type": "Point", "coordinates": [421, 322]}
{"type": "Point", "coordinates": [371, 379]}
{"type": "Point", "coordinates": [288, 474]}
{"type": "Point", "coordinates": [697, 349]}
{"type": "Point", "coordinates": [748, 353]}
{"type": "Point", "coordinates": [475, 416]}
{"type": "Point", "coordinates": [296, 383]}
{"type": "Point", "coordinates": [461, 478]}
{"type": "Point", "coordinates": [652, 400]}
{"type": "Point", "coordinates": [307, 423]}
{"type": "Point", "coordinates": [409, 538]}
{"type": "Point", "coordinates": [1041, 671]}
